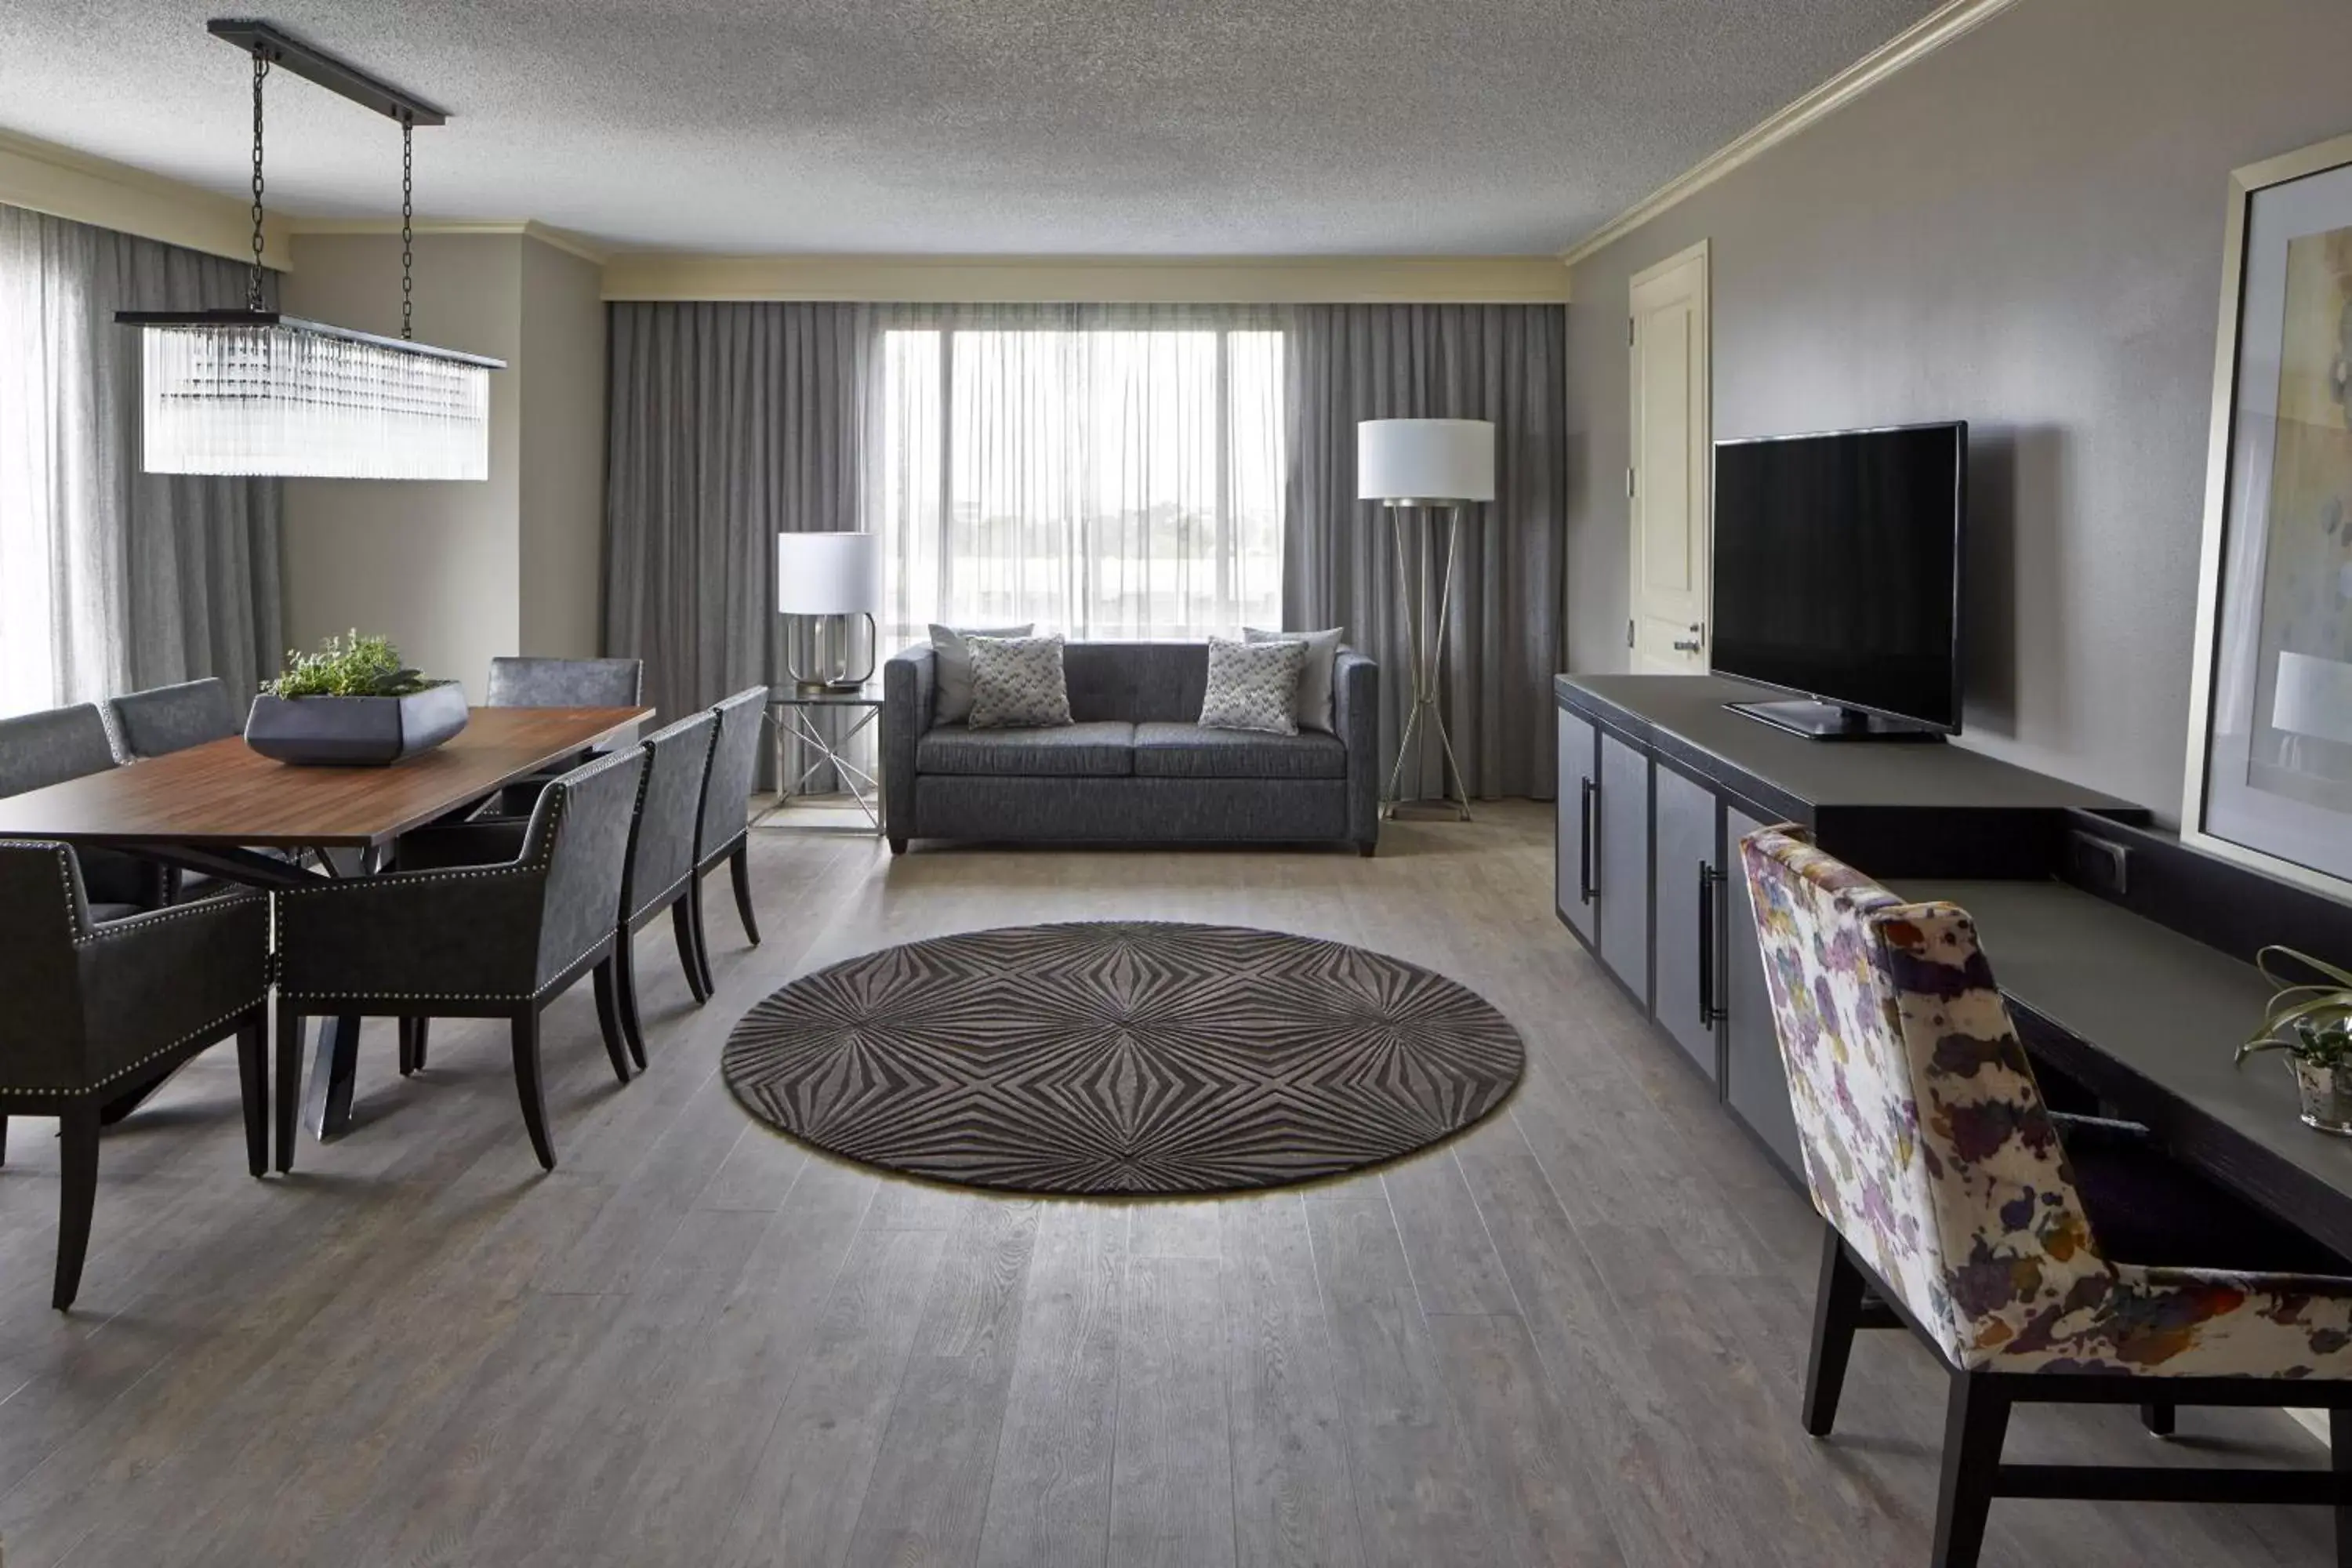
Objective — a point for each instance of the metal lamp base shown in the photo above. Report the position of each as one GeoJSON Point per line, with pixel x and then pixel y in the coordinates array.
{"type": "Point", "coordinates": [1425, 632]}
{"type": "Point", "coordinates": [834, 671]}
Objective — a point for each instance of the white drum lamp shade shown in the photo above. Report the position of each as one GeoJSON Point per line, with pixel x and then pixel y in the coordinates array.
{"type": "Point", "coordinates": [828, 573]}
{"type": "Point", "coordinates": [1425, 462]}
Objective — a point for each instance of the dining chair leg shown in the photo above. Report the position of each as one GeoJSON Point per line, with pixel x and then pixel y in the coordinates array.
{"type": "Point", "coordinates": [739, 867]}
{"type": "Point", "coordinates": [2159, 1417]}
{"type": "Point", "coordinates": [681, 920]}
{"type": "Point", "coordinates": [285, 1102]}
{"type": "Point", "coordinates": [1837, 1310]}
{"type": "Point", "coordinates": [528, 1088]}
{"type": "Point", "coordinates": [702, 936]}
{"type": "Point", "coordinates": [625, 997]}
{"type": "Point", "coordinates": [253, 1089]}
{"type": "Point", "coordinates": [1975, 1419]}
{"type": "Point", "coordinates": [423, 1040]}
{"type": "Point", "coordinates": [4, 1139]}
{"type": "Point", "coordinates": [76, 1196]}
{"type": "Point", "coordinates": [608, 1021]}
{"type": "Point", "coordinates": [407, 1034]}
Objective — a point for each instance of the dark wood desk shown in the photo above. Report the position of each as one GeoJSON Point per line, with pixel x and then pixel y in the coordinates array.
{"type": "Point", "coordinates": [209, 808]}
{"type": "Point", "coordinates": [2148, 1019]}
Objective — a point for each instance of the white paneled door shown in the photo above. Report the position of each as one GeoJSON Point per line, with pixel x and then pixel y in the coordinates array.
{"type": "Point", "coordinates": [1666, 484]}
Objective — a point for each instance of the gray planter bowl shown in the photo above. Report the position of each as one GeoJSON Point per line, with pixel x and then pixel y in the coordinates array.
{"type": "Point", "coordinates": [354, 731]}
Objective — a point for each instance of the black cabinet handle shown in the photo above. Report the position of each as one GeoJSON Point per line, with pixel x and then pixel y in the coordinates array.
{"type": "Point", "coordinates": [1588, 793]}
{"type": "Point", "coordinates": [1708, 1012]}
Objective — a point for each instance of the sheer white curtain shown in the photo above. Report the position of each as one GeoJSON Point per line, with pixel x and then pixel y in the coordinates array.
{"type": "Point", "coordinates": [111, 578]}
{"type": "Point", "coordinates": [1101, 471]}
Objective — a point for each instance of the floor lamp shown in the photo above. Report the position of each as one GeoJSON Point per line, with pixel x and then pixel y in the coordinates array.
{"type": "Point", "coordinates": [1412, 468]}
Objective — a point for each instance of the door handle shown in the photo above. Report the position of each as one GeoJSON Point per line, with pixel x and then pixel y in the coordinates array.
{"type": "Point", "coordinates": [1709, 879]}
{"type": "Point", "coordinates": [1588, 791]}
{"type": "Point", "coordinates": [1692, 643]}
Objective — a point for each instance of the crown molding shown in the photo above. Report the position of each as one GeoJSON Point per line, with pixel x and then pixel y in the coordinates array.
{"type": "Point", "coordinates": [1079, 279]}
{"type": "Point", "coordinates": [562, 239]}
{"type": "Point", "coordinates": [45, 177]}
{"type": "Point", "coordinates": [1906, 48]}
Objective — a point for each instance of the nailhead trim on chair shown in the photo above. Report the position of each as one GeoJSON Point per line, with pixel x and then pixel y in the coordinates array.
{"type": "Point", "coordinates": [126, 1070]}
{"type": "Point", "coordinates": [100, 931]}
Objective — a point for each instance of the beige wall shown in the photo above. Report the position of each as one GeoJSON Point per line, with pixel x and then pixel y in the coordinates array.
{"type": "Point", "coordinates": [562, 453]}
{"type": "Point", "coordinates": [2022, 230]}
{"type": "Point", "coordinates": [459, 573]}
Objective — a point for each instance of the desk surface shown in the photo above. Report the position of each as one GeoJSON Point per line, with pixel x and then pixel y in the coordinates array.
{"type": "Point", "coordinates": [2169, 1012]}
{"type": "Point", "coordinates": [224, 794]}
{"type": "Point", "coordinates": [1689, 710]}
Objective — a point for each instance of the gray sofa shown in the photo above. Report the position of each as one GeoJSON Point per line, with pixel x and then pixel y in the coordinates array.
{"type": "Point", "coordinates": [1135, 766]}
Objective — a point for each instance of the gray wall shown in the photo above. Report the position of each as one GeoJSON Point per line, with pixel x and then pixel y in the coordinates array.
{"type": "Point", "coordinates": [2025, 231]}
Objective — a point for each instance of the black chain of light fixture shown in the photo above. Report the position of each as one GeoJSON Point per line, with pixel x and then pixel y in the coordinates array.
{"type": "Point", "coordinates": [253, 286]}
{"type": "Point", "coordinates": [407, 230]}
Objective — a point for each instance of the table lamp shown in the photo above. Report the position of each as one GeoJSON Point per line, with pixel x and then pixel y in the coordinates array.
{"type": "Point", "coordinates": [1412, 468]}
{"type": "Point", "coordinates": [829, 578]}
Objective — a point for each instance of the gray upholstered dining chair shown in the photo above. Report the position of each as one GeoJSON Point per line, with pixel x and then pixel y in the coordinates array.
{"type": "Point", "coordinates": [474, 941]}
{"type": "Point", "coordinates": [97, 1008]}
{"type": "Point", "coordinates": [166, 719]}
{"type": "Point", "coordinates": [529, 682]}
{"type": "Point", "coordinates": [38, 749]}
{"type": "Point", "coordinates": [660, 872]}
{"type": "Point", "coordinates": [722, 831]}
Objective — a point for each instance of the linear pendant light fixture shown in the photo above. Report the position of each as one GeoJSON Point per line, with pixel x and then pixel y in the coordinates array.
{"type": "Point", "coordinates": [254, 391]}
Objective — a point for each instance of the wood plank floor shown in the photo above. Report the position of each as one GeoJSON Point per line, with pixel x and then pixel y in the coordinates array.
{"type": "Point", "coordinates": [1574, 1337]}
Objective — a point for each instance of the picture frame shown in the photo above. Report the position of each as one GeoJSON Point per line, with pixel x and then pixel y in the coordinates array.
{"type": "Point", "coordinates": [2268, 780]}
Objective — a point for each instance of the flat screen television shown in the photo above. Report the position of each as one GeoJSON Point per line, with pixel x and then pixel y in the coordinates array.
{"type": "Point", "coordinates": [1837, 577]}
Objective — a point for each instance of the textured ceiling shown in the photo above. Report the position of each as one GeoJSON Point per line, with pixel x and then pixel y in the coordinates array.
{"type": "Point", "coordinates": [1077, 127]}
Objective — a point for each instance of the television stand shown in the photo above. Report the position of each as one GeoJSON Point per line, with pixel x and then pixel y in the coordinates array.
{"type": "Point", "coordinates": [1828, 721]}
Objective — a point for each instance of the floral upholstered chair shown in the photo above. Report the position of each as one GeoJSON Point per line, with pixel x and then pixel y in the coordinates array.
{"type": "Point", "coordinates": [1952, 1207]}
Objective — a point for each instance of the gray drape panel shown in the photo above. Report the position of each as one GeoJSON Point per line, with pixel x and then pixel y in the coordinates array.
{"type": "Point", "coordinates": [156, 577]}
{"type": "Point", "coordinates": [1499, 362]}
{"type": "Point", "coordinates": [730, 423]}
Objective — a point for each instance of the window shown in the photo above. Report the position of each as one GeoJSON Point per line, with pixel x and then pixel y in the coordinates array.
{"type": "Point", "coordinates": [1101, 482]}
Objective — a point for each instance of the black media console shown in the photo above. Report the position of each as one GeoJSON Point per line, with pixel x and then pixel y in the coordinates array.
{"type": "Point", "coordinates": [2126, 956]}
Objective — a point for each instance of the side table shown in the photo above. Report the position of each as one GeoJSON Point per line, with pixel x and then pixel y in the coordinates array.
{"type": "Point", "coordinates": [794, 715]}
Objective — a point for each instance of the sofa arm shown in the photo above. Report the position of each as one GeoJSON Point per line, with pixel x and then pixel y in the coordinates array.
{"type": "Point", "coordinates": [910, 683]}
{"type": "Point", "coordinates": [1356, 715]}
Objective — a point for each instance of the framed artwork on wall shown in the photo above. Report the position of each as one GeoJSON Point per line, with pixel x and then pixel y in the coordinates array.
{"type": "Point", "coordinates": [2270, 720]}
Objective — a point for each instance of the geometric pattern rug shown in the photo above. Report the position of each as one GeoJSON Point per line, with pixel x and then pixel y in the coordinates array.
{"type": "Point", "coordinates": [1122, 1059]}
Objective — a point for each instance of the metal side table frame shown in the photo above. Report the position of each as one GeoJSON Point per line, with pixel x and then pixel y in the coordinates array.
{"type": "Point", "coordinates": [792, 715]}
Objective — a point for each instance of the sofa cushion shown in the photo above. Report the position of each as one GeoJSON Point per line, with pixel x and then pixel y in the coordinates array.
{"type": "Point", "coordinates": [1104, 749]}
{"type": "Point", "coordinates": [1192, 752]}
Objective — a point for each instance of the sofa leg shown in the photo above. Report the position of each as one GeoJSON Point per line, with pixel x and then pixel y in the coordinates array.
{"type": "Point", "coordinates": [897, 845]}
{"type": "Point", "coordinates": [1366, 848]}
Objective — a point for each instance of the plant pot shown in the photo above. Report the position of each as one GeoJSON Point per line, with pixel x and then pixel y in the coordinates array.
{"type": "Point", "coordinates": [2326, 1095]}
{"type": "Point", "coordinates": [354, 731]}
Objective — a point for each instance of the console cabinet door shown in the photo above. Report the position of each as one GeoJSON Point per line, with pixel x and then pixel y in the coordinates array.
{"type": "Point", "coordinates": [1580, 778]}
{"type": "Point", "coordinates": [1755, 1084]}
{"type": "Point", "coordinates": [1622, 858]}
{"type": "Point", "coordinates": [1687, 913]}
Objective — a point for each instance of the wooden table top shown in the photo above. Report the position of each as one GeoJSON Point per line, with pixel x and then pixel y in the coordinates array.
{"type": "Point", "coordinates": [225, 793]}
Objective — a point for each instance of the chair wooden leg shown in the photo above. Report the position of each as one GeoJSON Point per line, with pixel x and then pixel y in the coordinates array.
{"type": "Point", "coordinates": [528, 1088]}
{"type": "Point", "coordinates": [285, 1102]}
{"type": "Point", "coordinates": [76, 1196]}
{"type": "Point", "coordinates": [1837, 1311]}
{"type": "Point", "coordinates": [408, 1033]}
{"type": "Point", "coordinates": [681, 920]}
{"type": "Point", "coordinates": [1975, 1419]}
{"type": "Point", "coordinates": [4, 1139]}
{"type": "Point", "coordinates": [739, 867]}
{"type": "Point", "coordinates": [253, 1087]}
{"type": "Point", "coordinates": [608, 1022]}
{"type": "Point", "coordinates": [2339, 1459]}
{"type": "Point", "coordinates": [423, 1039]}
{"type": "Point", "coordinates": [701, 937]}
{"type": "Point", "coordinates": [2158, 1417]}
{"type": "Point", "coordinates": [625, 997]}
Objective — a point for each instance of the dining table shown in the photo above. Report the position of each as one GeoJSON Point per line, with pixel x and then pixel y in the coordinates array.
{"type": "Point", "coordinates": [224, 810]}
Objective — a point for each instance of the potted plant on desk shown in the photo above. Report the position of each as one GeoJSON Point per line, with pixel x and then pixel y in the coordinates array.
{"type": "Point", "coordinates": [353, 702]}
{"type": "Point", "coordinates": [2311, 1021]}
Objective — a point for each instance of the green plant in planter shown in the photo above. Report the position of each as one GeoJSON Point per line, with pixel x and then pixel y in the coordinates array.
{"type": "Point", "coordinates": [2311, 1021]}
{"type": "Point", "coordinates": [350, 666]}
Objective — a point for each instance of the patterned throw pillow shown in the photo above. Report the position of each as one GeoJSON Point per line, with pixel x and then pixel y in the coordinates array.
{"type": "Point", "coordinates": [1253, 686]}
{"type": "Point", "coordinates": [951, 699]}
{"type": "Point", "coordinates": [1316, 677]}
{"type": "Point", "coordinates": [1017, 681]}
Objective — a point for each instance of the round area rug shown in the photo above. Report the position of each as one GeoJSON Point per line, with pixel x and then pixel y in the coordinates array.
{"type": "Point", "coordinates": [1122, 1059]}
